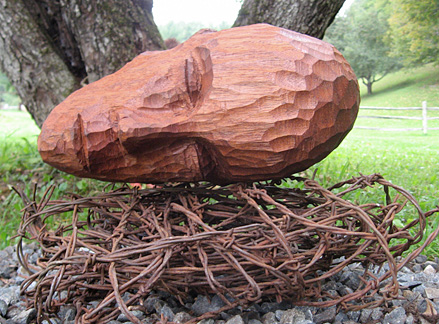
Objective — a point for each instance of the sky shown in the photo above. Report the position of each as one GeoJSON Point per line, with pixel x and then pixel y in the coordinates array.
{"type": "Point", "coordinates": [208, 12]}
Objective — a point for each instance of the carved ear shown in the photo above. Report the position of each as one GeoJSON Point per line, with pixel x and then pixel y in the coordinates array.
{"type": "Point", "coordinates": [198, 75]}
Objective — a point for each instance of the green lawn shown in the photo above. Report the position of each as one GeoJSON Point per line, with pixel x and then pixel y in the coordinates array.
{"type": "Point", "coordinates": [408, 159]}
{"type": "Point", "coordinates": [406, 88]}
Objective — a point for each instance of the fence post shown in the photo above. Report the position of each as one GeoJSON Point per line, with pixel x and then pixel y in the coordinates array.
{"type": "Point", "coordinates": [424, 117]}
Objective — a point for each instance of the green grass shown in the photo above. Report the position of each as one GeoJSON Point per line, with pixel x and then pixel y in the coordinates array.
{"type": "Point", "coordinates": [21, 166]}
{"type": "Point", "coordinates": [408, 159]}
{"type": "Point", "coordinates": [406, 88]}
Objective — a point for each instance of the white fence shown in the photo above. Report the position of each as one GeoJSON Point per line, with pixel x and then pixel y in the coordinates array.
{"type": "Point", "coordinates": [8, 107]}
{"type": "Point", "coordinates": [424, 117]}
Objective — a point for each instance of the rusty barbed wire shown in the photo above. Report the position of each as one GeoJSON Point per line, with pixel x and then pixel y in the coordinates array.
{"type": "Point", "coordinates": [245, 243]}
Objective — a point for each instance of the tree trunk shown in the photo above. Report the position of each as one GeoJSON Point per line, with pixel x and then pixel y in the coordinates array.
{"type": "Point", "coordinates": [369, 88]}
{"type": "Point", "coordinates": [48, 47]}
{"type": "Point", "coordinates": [30, 60]}
{"type": "Point", "coordinates": [310, 17]}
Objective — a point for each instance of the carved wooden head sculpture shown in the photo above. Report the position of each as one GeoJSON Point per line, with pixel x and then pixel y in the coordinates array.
{"type": "Point", "coordinates": [249, 103]}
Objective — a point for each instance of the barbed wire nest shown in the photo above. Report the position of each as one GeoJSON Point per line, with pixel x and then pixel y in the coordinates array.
{"type": "Point", "coordinates": [244, 242]}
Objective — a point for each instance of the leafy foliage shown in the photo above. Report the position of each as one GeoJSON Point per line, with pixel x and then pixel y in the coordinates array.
{"type": "Point", "coordinates": [414, 30]}
{"type": "Point", "coordinates": [181, 31]}
{"type": "Point", "coordinates": [360, 35]}
{"type": "Point", "coordinates": [8, 94]}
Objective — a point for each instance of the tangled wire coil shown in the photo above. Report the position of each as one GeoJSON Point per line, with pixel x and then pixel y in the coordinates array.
{"type": "Point", "coordinates": [245, 243]}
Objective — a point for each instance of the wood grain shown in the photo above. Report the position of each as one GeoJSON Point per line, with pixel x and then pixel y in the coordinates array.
{"type": "Point", "coordinates": [245, 104]}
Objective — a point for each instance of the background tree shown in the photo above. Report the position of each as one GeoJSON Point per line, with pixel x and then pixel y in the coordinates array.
{"type": "Point", "coordinates": [361, 36]}
{"type": "Point", "coordinates": [49, 48]}
{"type": "Point", "coordinates": [311, 17]}
{"type": "Point", "coordinates": [181, 31]}
{"type": "Point", "coordinates": [414, 30]}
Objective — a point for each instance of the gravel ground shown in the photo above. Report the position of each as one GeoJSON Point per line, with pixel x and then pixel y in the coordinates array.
{"type": "Point", "coordinates": [418, 302]}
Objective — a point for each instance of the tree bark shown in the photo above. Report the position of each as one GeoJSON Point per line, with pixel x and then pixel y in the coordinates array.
{"type": "Point", "coordinates": [30, 60]}
{"type": "Point", "coordinates": [369, 87]}
{"type": "Point", "coordinates": [311, 17]}
{"type": "Point", "coordinates": [48, 47]}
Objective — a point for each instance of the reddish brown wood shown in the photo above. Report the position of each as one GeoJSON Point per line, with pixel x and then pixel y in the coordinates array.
{"type": "Point", "coordinates": [249, 103]}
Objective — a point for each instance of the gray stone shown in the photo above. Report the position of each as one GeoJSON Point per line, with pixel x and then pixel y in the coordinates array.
{"type": "Point", "coordinates": [433, 264]}
{"type": "Point", "coordinates": [405, 269]}
{"type": "Point", "coordinates": [255, 308]}
{"type": "Point", "coordinates": [67, 313]}
{"type": "Point", "coordinates": [269, 318]}
{"type": "Point", "coordinates": [343, 291]}
{"type": "Point", "coordinates": [408, 280]}
{"type": "Point", "coordinates": [3, 307]}
{"type": "Point", "coordinates": [410, 319]}
{"type": "Point", "coordinates": [52, 321]}
{"type": "Point", "coordinates": [6, 269]}
{"type": "Point", "coordinates": [154, 304]}
{"type": "Point", "coordinates": [138, 314]}
{"type": "Point", "coordinates": [4, 255]}
{"type": "Point", "coordinates": [328, 315]}
{"type": "Point", "coordinates": [249, 315]}
{"type": "Point", "coordinates": [268, 307]}
{"type": "Point", "coordinates": [10, 250]}
{"type": "Point", "coordinates": [182, 317]}
{"type": "Point", "coordinates": [351, 279]}
{"type": "Point", "coordinates": [167, 312]}
{"type": "Point", "coordinates": [292, 316]}
{"type": "Point", "coordinates": [25, 317]}
{"type": "Point", "coordinates": [216, 302]}
{"type": "Point", "coordinates": [377, 313]}
{"type": "Point", "coordinates": [398, 302]}
{"type": "Point", "coordinates": [91, 305]}
{"type": "Point", "coordinates": [202, 305]}
{"type": "Point", "coordinates": [279, 313]}
{"type": "Point", "coordinates": [226, 316]}
{"type": "Point", "coordinates": [10, 295]}
{"type": "Point", "coordinates": [272, 307]}
{"type": "Point", "coordinates": [429, 270]}
{"type": "Point", "coordinates": [422, 305]}
{"type": "Point", "coordinates": [126, 296]}
{"type": "Point", "coordinates": [237, 319]}
{"type": "Point", "coordinates": [333, 293]}
{"type": "Point", "coordinates": [308, 311]}
{"type": "Point", "coordinates": [70, 315]}
{"type": "Point", "coordinates": [420, 289]}
{"type": "Point", "coordinates": [396, 316]}
{"type": "Point", "coordinates": [254, 321]}
{"type": "Point", "coordinates": [365, 316]}
{"type": "Point", "coordinates": [354, 315]}
{"type": "Point", "coordinates": [341, 318]}
{"type": "Point", "coordinates": [330, 285]}
{"type": "Point", "coordinates": [432, 293]}
{"type": "Point", "coordinates": [13, 311]}
{"type": "Point", "coordinates": [417, 268]}
{"type": "Point", "coordinates": [207, 321]}
{"type": "Point", "coordinates": [421, 259]}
